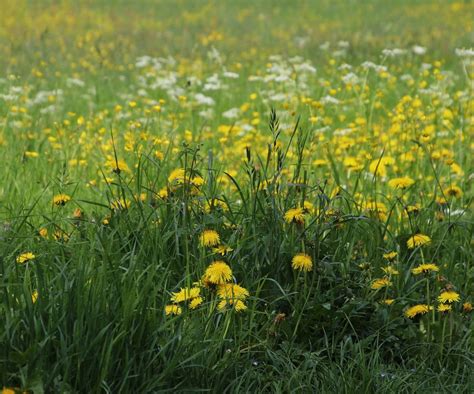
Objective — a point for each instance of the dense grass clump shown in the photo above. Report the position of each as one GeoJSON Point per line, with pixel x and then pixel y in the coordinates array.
{"type": "Point", "coordinates": [275, 198]}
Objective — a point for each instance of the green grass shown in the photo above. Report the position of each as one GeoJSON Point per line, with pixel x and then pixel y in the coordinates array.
{"type": "Point", "coordinates": [79, 115]}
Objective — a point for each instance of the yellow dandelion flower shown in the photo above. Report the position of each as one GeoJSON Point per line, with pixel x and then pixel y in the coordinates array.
{"type": "Point", "coordinates": [441, 200]}
{"type": "Point", "coordinates": [117, 166]}
{"type": "Point", "coordinates": [320, 162]}
{"type": "Point", "coordinates": [163, 192]}
{"type": "Point", "coordinates": [302, 262]}
{"type": "Point", "coordinates": [34, 296]}
{"type": "Point", "coordinates": [218, 273]}
{"type": "Point", "coordinates": [414, 209]}
{"type": "Point", "coordinates": [389, 270]}
{"type": "Point", "coordinates": [439, 216]}
{"type": "Point", "coordinates": [177, 176]}
{"type": "Point", "coordinates": [335, 192]}
{"type": "Point", "coordinates": [180, 177]}
{"type": "Point", "coordinates": [61, 199]}
{"type": "Point", "coordinates": [388, 301]}
{"type": "Point", "coordinates": [197, 181]}
{"type": "Point", "coordinates": [294, 215]}
{"type": "Point", "coordinates": [185, 294]}
{"type": "Point", "coordinates": [456, 168]}
{"type": "Point", "coordinates": [159, 155]}
{"type": "Point", "coordinates": [60, 235]}
{"type": "Point", "coordinates": [418, 240]}
{"type": "Point", "coordinates": [425, 269]}
{"type": "Point", "coordinates": [376, 206]}
{"type": "Point", "coordinates": [380, 283]}
{"type": "Point", "coordinates": [419, 309]}
{"type": "Point", "coordinates": [238, 305]}
{"type": "Point", "coordinates": [25, 257]}
{"type": "Point", "coordinates": [453, 191]}
{"type": "Point", "coordinates": [173, 310]}
{"type": "Point", "coordinates": [195, 302]}
{"type": "Point", "coordinates": [232, 291]}
{"type": "Point", "coordinates": [351, 163]}
{"type": "Point", "coordinates": [78, 214]}
{"type": "Point", "coordinates": [467, 307]}
{"type": "Point", "coordinates": [209, 238]}
{"type": "Point", "coordinates": [31, 154]}
{"type": "Point", "coordinates": [400, 183]}
{"type": "Point", "coordinates": [379, 167]}
{"type": "Point", "coordinates": [390, 255]}
{"type": "Point", "coordinates": [222, 249]}
{"type": "Point", "coordinates": [449, 296]}
{"type": "Point", "coordinates": [309, 207]}
{"type": "Point", "coordinates": [216, 204]}
{"type": "Point", "coordinates": [444, 308]}
{"type": "Point", "coordinates": [120, 204]}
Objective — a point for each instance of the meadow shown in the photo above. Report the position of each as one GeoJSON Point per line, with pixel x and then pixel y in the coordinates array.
{"type": "Point", "coordinates": [236, 196]}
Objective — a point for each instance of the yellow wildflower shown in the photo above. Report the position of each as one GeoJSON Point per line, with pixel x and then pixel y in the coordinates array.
{"type": "Point", "coordinates": [425, 268]}
{"type": "Point", "coordinates": [380, 283]}
{"type": "Point", "coordinates": [117, 166]}
{"type": "Point", "coordinates": [418, 240]}
{"type": "Point", "coordinates": [302, 262]}
{"type": "Point", "coordinates": [453, 191]}
{"type": "Point", "coordinates": [61, 199]}
{"type": "Point", "coordinates": [120, 204]}
{"type": "Point", "coordinates": [34, 296]}
{"type": "Point", "coordinates": [216, 204]}
{"type": "Point", "coordinates": [185, 294]}
{"type": "Point", "coordinates": [467, 307]}
{"type": "Point", "coordinates": [294, 215]}
{"type": "Point", "coordinates": [419, 309]}
{"type": "Point", "coordinates": [444, 308]}
{"type": "Point", "coordinates": [389, 270]}
{"type": "Point", "coordinates": [222, 249]}
{"type": "Point", "coordinates": [173, 310]}
{"type": "Point", "coordinates": [390, 255]}
{"type": "Point", "coordinates": [238, 305]}
{"type": "Point", "coordinates": [25, 257]}
{"type": "Point", "coordinates": [401, 183]}
{"type": "Point", "coordinates": [217, 273]}
{"type": "Point", "coordinates": [232, 295]}
{"type": "Point", "coordinates": [195, 302]}
{"type": "Point", "coordinates": [177, 176]}
{"type": "Point", "coordinates": [308, 207]}
{"type": "Point", "coordinates": [209, 238]}
{"type": "Point", "coordinates": [232, 291]}
{"type": "Point", "coordinates": [448, 296]}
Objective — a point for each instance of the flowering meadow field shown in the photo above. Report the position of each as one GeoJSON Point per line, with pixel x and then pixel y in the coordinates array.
{"type": "Point", "coordinates": [236, 196]}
